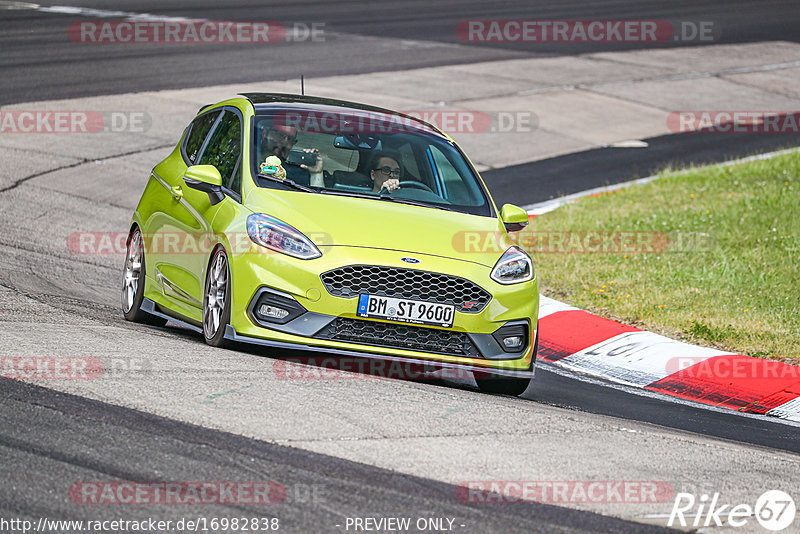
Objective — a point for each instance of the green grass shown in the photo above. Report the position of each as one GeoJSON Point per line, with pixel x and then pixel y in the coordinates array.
{"type": "Point", "coordinates": [717, 261]}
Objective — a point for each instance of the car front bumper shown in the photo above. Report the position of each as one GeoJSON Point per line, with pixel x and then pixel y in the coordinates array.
{"type": "Point", "coordinates": [301, 281]}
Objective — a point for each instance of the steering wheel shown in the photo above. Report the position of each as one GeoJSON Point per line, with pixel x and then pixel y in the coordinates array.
{"type": "Point", "coordinates": [416, 185]}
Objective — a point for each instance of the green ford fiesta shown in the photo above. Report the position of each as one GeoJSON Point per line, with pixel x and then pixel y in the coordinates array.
{"type": "Point", "coordinates": [329, 226]}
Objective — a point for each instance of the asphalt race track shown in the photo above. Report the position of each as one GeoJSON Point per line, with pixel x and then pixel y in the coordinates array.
{"type": "Point", "coordinates": [321, 490]}
{"type": "Point", "coordinates": [38, 64]}
{"type": "Point", "coordinates": [175, 409]}
{"type": "Point", "coordinates": [579, 171]}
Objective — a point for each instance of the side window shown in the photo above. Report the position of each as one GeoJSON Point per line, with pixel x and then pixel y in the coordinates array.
{"type": "Point", "coordinates": [198, 131]}
{"type": "Point", "coordinates": [409, 161]}
{"type": "Point", "coordinates": [448, 178]}
{"type": "Point", "coordinates": [224, 150]}
{"type": "Point", "coordinates": [236, 180]}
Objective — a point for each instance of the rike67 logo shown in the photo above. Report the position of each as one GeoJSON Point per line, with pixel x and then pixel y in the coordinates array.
{"type": "Point", "coordinates": [774, 510]}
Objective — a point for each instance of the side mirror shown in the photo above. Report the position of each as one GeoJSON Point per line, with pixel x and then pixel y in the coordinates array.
{"type": "Point", "coordinates": [514, 217]}
{"type": "Point", "coordinates": [205, 178]}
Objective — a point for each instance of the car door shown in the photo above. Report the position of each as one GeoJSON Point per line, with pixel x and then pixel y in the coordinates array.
{"type": "Point", "coordinates": [186, 234]}
{"type": "Point", "coordinates": [223, 150]}
{"type": "Point", "coordinates": [169, 221]}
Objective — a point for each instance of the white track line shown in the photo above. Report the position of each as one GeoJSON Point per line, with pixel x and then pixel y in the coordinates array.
{"type": "Point", "coordinates": [93, 13]}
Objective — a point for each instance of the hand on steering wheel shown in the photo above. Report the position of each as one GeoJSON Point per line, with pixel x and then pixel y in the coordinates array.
{"type": "Point", "coordinates": [392, 184]}
{"type": "Point", "coordinates": [415, 185]}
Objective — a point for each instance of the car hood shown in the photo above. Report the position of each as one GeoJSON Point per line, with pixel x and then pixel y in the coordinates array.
{"type": "Point", "coordinates": [332, 220]}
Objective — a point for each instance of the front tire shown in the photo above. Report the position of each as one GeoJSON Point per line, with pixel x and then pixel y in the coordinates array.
{"type": "Point", "coordinates": [217, 300]}
{"type": "Point", "coordinates": [501, 385]}
{"type": "Point", "coordinates": [505, 385]}
{"type": "Point", "coordinates": [133, 280]}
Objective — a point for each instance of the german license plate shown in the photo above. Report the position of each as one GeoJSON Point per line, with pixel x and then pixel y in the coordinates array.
{"type": "Point", "coordinates": [405, 310]}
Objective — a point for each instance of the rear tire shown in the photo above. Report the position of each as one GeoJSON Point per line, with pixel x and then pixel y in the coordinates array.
{"type": "Point", "coordinates": [505, 385]}
{"type": "Point", "coordinates": [217, 300]}
{"type": "Point", "coordinates": [133, 281]}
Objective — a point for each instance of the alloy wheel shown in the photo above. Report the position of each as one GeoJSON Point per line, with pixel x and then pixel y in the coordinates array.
{"type": "Point", "coordinates": [216, 290]}
{"type": "Point", "coordinates": [133, 271]}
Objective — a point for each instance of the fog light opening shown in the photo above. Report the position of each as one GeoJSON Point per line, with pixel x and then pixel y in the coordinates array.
{"type": "Point", "coordinates": [513, 343]}
{"type": "Point", "coordinates": [512, 337]}
{"type": "Point", "coordinates": [271, 306]}
{"type": "Point", "coordinates": [272, 312]}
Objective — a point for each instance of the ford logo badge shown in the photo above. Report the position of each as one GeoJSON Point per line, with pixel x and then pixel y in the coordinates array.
{"type": "Point", "coordinates": [410, 260]}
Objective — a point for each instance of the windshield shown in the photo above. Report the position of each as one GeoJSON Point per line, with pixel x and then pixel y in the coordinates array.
{"type": "Point", "coordinates": [363, 154]}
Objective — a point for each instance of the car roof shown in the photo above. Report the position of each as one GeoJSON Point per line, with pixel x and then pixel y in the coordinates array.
{"type": "Point", "coordinates": [266, 101]}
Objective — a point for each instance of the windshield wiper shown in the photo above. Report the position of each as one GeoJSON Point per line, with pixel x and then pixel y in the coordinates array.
{"type": "Point", "coordinates": [384, 196]}
{"type": "Point", "coordinates": [347, 194]}
{"type": "Point", "coordinates": [288, 182]}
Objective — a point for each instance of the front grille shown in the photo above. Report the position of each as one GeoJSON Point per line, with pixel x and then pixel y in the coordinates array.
{"type": "Point", "coordinates": [400, 336]}
{"type": "Point", "coordinates": [353, 280]}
